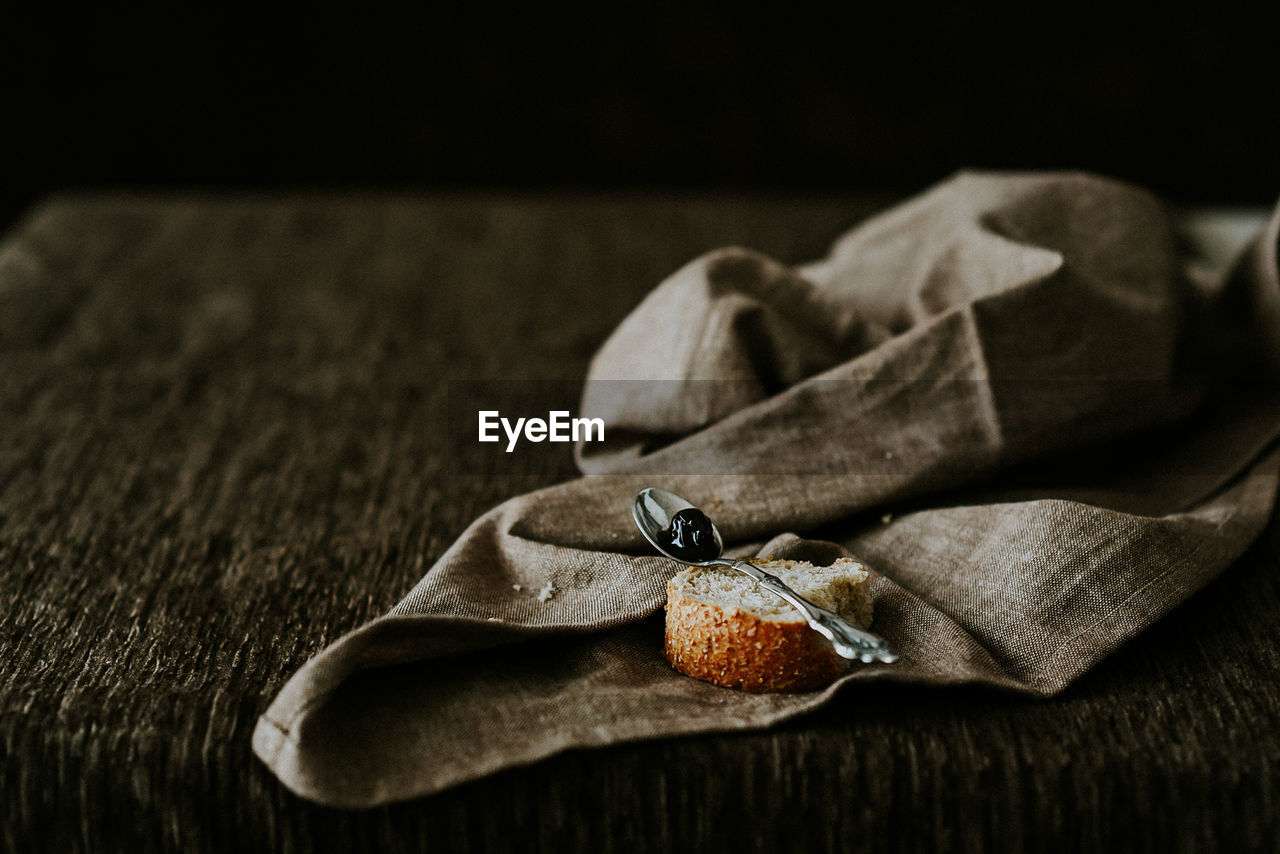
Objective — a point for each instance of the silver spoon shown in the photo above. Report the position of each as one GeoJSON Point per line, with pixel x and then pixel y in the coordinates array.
{"type": "Point", "coordinates": [683, 533]}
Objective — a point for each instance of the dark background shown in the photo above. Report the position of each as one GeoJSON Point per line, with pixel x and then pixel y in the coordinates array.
{"type": "Point", "coordinates": [1181, 98]}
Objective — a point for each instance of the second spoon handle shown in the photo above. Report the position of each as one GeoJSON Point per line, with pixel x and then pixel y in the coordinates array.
{"type": "Point", "coordinates": [848, 640]}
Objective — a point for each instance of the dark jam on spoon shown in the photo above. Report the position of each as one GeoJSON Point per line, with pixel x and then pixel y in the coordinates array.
{"type": "Point", "coordinates": [691, 536]}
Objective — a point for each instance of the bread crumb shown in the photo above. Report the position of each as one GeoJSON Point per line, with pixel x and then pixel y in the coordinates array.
{"type": "Point", "coordinates": [545, 594]}
{"type": "Point", "coordinates": [517, 587]}
{"type": "Point", "coordinates": [886, 519]}
{"type": "Point", "coordinates": [888, 455]}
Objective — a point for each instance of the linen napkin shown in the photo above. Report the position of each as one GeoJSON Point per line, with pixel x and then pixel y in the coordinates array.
{"type": "Point", "coordinates": [1017, 398]}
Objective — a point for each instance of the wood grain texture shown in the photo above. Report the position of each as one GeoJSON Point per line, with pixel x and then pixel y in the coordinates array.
{"type": "Point", "coordinates": [223, 443]}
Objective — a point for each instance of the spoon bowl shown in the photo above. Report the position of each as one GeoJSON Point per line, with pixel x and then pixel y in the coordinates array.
{"type": "Point", "coordinates": [655, 510]}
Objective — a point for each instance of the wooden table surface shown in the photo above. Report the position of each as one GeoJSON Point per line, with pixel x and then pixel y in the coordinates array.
{"type": "Point", "coordinates": [223, 444]}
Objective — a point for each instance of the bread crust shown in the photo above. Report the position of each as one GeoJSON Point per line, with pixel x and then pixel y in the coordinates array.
{"type": "Point", "coordinates": [733, 648]}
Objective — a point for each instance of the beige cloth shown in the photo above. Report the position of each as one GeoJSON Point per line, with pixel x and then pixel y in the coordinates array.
{"type": "Point", "coordinates": [1015, 397]}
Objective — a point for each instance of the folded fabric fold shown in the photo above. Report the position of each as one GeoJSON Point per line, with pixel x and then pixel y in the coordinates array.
{"type": "Point", "coordinates": [1071, 434]}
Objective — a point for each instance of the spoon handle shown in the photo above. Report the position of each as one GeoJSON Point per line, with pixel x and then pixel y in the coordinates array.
{"type": "Point", "coordinates": [848, 640]}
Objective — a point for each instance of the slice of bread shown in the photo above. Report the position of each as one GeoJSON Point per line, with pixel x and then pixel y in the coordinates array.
{"type": "Point", "coordinates": [724, 629]}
